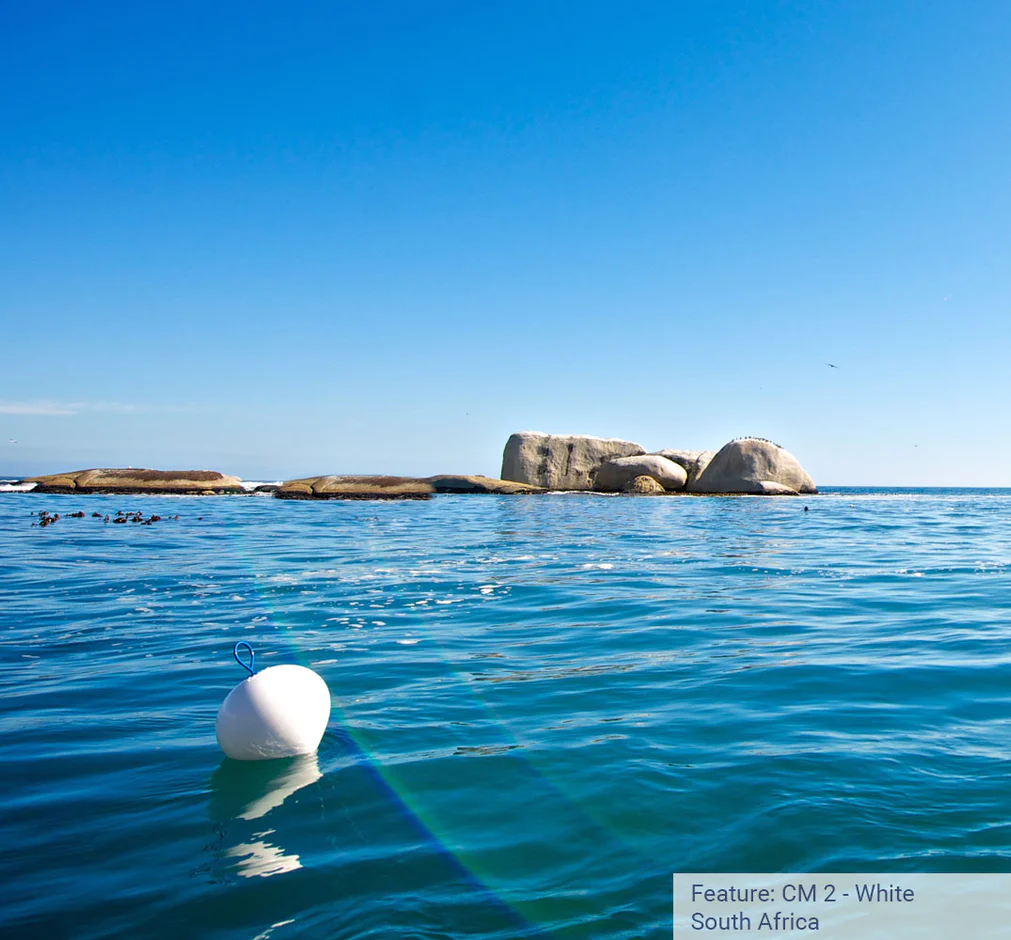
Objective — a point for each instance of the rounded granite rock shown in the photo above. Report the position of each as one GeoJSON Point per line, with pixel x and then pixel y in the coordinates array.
{"type": "Point", "coordinates": [753, 465]}
{"type": "Point", "coordinates": [693, 461]}
{"type": "Point", "coordinates": [614, 475]}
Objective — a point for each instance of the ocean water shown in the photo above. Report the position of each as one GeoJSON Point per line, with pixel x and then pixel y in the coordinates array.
{"type": "Point", "coordinates": [542, 707]}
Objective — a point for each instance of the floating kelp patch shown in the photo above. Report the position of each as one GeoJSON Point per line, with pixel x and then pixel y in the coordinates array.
{"type": "Point", "coordinates": [46, 518]}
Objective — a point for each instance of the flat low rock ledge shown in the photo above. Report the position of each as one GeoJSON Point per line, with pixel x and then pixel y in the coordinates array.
{"type": "Point", "coordinates": [381, 487]}
{"type": "Point", "coordinates": [354, 487]}
{"type": "Point", "coordinates": [208, 482]}
{"type": "Point", "coordinates": [448, 483]}
{"type": "Point", "coordinates": [747, 466]}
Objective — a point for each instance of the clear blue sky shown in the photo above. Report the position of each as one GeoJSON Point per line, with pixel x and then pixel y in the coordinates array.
{"type": "Point", "coordinates": [285, 239]}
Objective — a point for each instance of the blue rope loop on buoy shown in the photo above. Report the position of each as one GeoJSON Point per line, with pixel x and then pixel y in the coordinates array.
{"type": "Point", "coordinates": [252, 656]}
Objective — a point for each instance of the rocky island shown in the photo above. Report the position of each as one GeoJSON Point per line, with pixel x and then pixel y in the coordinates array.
{"type": "Point", "coordinates": [532, 463]}
{"type": "Point", "coordinates": [749, 465]}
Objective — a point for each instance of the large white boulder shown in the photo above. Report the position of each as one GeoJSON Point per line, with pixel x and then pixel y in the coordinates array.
{"type": "Point", "coordinates": [615, 474]}
{"type": "Point", "coordinates": [560, 461]}
{"type": "Point", "coordinates": [753, 465]}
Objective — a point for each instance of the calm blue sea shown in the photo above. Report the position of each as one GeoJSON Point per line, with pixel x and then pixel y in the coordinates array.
{"type": "Point", "coordinates": [543, 707]}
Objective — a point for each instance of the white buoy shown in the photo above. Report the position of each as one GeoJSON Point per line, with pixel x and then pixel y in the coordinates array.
{"type": "Point", "coordinates": [279, 712]}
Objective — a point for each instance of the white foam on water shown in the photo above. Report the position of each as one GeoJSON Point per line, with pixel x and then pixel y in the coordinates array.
{"type": "Point", "coordinates": [250, 485]}
{"type": "Point", "coordinates": [12, 486]}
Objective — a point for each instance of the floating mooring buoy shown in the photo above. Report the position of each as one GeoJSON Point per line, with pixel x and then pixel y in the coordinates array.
{"type": "Point", "coordinates": [279, 712]}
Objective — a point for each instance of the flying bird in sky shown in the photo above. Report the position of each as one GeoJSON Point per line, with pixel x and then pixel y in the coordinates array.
{"type": "Point", "coordinates": [831, 365]}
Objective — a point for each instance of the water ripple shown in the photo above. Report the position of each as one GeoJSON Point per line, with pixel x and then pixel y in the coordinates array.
{"type": "Point", "coordinates": [543, 707]}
